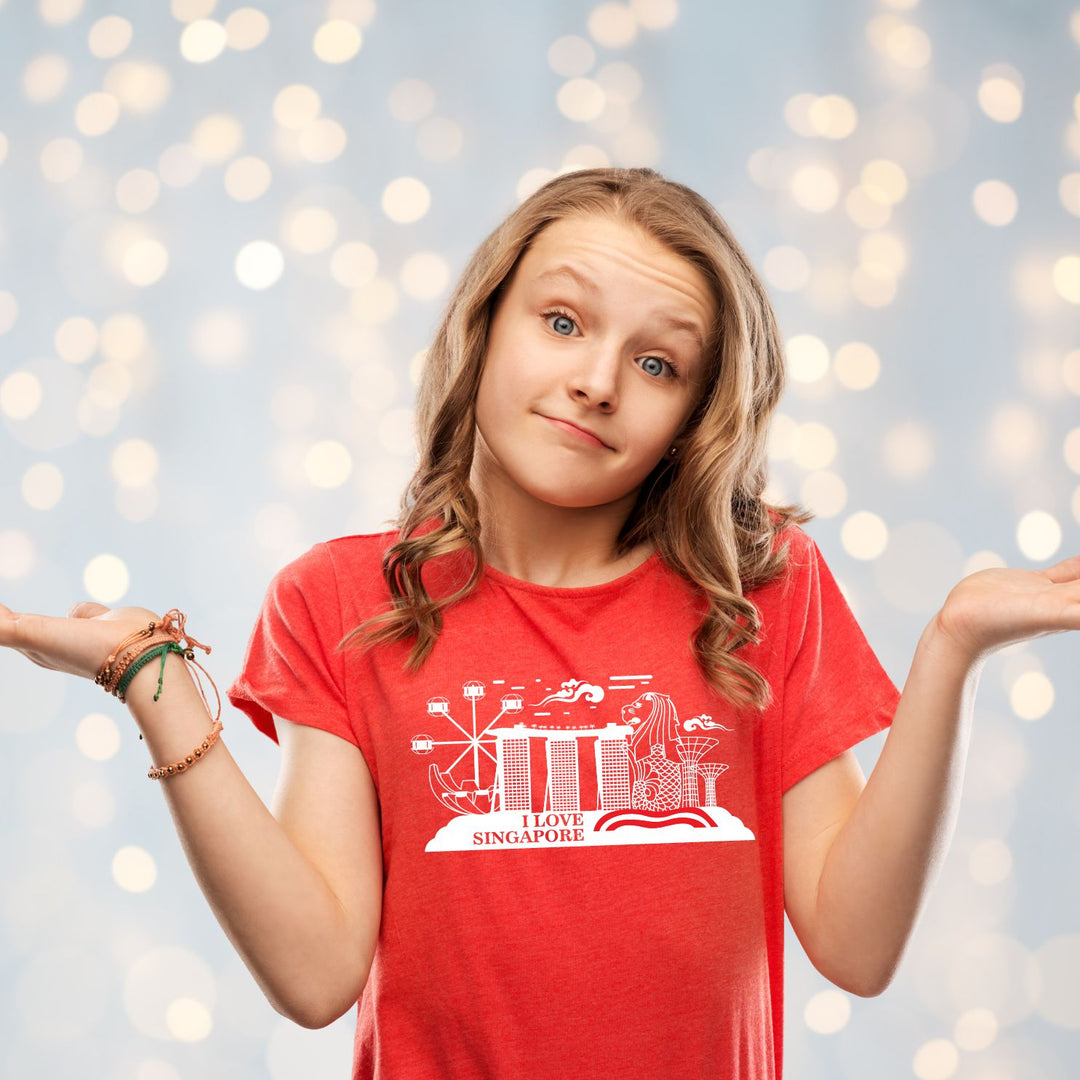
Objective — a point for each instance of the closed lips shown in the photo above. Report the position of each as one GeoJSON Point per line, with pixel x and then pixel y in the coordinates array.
{"type": "Point", "coordinates": [570, 423]}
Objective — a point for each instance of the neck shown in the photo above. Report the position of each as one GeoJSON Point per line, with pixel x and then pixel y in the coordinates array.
{"type": "Point", "coordinates": [557, 546]}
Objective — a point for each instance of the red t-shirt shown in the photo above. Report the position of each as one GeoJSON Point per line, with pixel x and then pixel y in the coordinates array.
{"type": "Point", "coordinates": [583, 859]}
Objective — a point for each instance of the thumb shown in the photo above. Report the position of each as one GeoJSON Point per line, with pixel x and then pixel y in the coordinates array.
{"type": "Point", "coordinates": [86, 609]}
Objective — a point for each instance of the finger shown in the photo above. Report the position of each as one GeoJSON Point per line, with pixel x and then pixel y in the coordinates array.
{"type": "Point", "coordinates": [1066, 570]}
{"type": "Point", "coordinates": [86, 609]}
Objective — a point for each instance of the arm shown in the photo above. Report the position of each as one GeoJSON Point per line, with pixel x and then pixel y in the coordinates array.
{"type": "Point", "coordinates": [880, 848]}
{"type": "Point", "coordinates": [298, 894]}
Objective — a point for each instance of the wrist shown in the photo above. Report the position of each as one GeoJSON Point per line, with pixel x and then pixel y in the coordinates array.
{"type": "Point", "coordinates": [944, 645]}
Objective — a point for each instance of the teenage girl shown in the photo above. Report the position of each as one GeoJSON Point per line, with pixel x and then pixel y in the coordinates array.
{"type": "Point", "coordinates": [561, 749]}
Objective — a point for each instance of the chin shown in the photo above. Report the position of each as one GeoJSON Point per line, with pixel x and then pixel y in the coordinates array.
{"type": "Point", "coordinates": [576, 497]}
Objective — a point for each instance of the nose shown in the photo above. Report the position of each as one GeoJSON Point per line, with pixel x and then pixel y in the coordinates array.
{"type": "Point", "coordinates": [596, 380]}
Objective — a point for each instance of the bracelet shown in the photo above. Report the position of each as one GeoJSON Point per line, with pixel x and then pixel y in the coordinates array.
{"type": "Point", "coordinates": [195, 755]}
{"type": "Point", "coordinates": [135, 652]}
{"type": "Point", "coordinates": [143, 659]}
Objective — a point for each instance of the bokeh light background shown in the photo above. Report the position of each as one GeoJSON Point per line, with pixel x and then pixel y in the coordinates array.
{"type": "Point", "coordinates": [226, 235]}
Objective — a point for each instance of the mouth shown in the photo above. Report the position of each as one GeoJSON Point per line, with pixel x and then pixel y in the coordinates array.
{"type": "Point", "coordinates": [578, 432]}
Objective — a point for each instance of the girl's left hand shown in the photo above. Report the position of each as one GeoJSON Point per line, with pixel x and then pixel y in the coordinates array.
{"type": "Point", "coordinates": [1000, 606]}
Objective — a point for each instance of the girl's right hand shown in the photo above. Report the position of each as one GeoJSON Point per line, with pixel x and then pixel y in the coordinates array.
{"type": "Point", "coordinates": [78, 644]}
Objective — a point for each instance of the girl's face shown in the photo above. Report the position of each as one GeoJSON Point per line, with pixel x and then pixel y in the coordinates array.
{"type": "Point", "coordinates": [602, 328]}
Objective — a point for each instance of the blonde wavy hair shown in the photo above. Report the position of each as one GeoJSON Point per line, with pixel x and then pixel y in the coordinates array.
{"type": "Point", "coordinates": [703, 512]}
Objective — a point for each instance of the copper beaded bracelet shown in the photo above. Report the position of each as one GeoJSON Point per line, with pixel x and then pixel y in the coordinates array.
{"type": "Point", "coordinates": [195, 755]}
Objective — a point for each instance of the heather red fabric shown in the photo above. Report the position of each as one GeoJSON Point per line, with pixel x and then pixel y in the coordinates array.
{"type": "Point", "coordinates": [581, 839]}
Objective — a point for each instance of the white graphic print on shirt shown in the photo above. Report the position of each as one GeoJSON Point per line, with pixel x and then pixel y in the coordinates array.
{"type": "Point", "coordinates": [653, 782]}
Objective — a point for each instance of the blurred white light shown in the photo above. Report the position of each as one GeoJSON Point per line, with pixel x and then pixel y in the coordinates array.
{"type": "Point", "coordinates": [97, 736]}
{"type": "Point", "coordinates": [157, 979]}
{"type": "Point", "coordinates": [203, 40]}
{"type": "Point", "coordinates": [936, 1059]}
{"type": "Point", "coordinates": [188, 1019]}
{"type": "Point", "coordinates": [354, 264]}
{"type": "Point", "coordinates": [21, 394]}
{"type": "Point", "coordinates": [109, 36]}
{"type": "Point", "coordinates": [995, 202]}
{"type": "Point", "coordinates": [337, 41]}
{"type": "Point", "coordinates": [259, 264]}
{"type": "Point", "coordinates": [814, 446]}
{"type": "Point", "coordinates": [296, 106]}
{"type": "Point", "coordinates": [833, 116]}
{"type": "Point", "coordinates": [580, 99]}
{"type": "Point", "coordinates": [864, 535]}
{"type": "Point", "coordinates": [1066, 278]}
{"type": "Point", "coordinates": [783, 437]}
{"type": "Point", "coordinates": [1001, 95]}
{"type": "Point", "coordinates": [1031, 695]}
{"type": "Point", "coordinates": [42, 485]}
{"type": "Point", "coordinates": [612, 25]}
{"type": "Point", "coordinates": [134, 869]}
{"type": "Point", "coordinates": [328, 464]}
{"type": "Point", "coordinates": [975, 1029]}
{"type": "Point", "coordinates": [815, 188]}
{"type": "Point", "coordinates": [45, 78]}
{"type": "Point", "coordinates": [827, 1012]}
{"type": "Point", "coordinates": [1038, 535]}
{"type": "Point", "coordinates": [856, 365]}
{"type": "Point", "coordinates": [322, 140]}
{"type": "Point", "coordinates": [310, 229]}
{"type": "Point", "coordinates": [105, 579]}
{"type": "Point", "coordinates": [405, 199]}
{"type": "Point", "coordinates": [246, 28]}
{"type": "Point", "coordinates": [571, 56]}
{"type": "Point", "coordinates": [532, 181]}
{"type": "Point", "coordinates": [655, 14]}
{"type": "Point", "coordinates": [17, 556]}
{"type": "Point", "coordinates": [807, 358]}
{"type": "Point", "coordinates": [219, 336]}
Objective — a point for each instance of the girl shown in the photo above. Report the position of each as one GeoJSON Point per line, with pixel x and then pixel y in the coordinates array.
{"type": "Point", "coordinates": [561, 748]}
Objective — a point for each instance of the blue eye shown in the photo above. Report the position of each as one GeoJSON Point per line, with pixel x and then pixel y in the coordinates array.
{"type": "Point", "coordinates": [653, 360]}
{"type": "Point", "coordinates": [563, 324]}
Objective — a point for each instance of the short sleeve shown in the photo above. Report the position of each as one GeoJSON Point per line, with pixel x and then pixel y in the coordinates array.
{"type": "Point", "coordinates": [836, 693]}
{"type": "Point", "coordinates": [290, 668]}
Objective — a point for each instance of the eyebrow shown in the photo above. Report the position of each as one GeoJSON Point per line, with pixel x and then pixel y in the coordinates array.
{"type": "Point", "coordinates": [566, 272]}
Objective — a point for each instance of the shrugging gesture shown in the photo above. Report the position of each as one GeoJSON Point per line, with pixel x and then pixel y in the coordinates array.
{"type": "Point", "coordinates": [878, 870]}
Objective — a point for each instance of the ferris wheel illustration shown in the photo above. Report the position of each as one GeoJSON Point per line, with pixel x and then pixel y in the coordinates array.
{"type": "Point", "coordinates": [464, 797]}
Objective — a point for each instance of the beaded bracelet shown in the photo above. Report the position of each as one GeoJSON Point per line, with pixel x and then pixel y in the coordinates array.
{"type": "Point", "coordinates": [195, 755]}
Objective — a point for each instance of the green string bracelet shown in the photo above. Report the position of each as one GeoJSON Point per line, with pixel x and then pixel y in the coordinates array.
{"type": "Point", "coordinates": [157, 650]}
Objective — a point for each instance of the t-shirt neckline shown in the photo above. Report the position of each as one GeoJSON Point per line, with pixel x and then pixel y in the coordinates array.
{"type": "Point", "coordinates": [501, 578]}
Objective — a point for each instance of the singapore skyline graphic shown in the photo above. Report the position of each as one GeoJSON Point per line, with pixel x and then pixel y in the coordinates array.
{"type": "Point", "coordinates": [654, 780]}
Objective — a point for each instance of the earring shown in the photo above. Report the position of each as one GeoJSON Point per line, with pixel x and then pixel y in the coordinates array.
{"type": "Point", "coordinates": [673, 451]}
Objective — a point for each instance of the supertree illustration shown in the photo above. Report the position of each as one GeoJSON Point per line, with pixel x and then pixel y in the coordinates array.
{"type": "Point", "coordinates": [709, 771]}
{"type": "Point", "coordinates": [692, 749]}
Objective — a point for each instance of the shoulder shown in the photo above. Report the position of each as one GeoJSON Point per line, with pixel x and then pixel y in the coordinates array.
{"type": "Point", "coordinates": [353, 562]}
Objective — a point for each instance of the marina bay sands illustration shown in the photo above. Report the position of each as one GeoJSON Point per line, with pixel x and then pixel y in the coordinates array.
{"type": "Point", "coordinates": [652, 782]}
